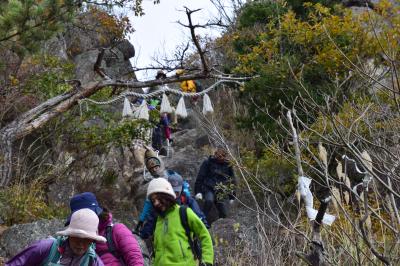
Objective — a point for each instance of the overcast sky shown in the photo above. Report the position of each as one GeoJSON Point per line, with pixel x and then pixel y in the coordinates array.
{"type": "Point", "coordinates": [158, 33]}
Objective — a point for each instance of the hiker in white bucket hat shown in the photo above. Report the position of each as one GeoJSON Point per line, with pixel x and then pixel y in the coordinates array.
{"type": "Point", "coordinates": [83, 224]}
{"type": "Point", "coordinates": [74, 246]}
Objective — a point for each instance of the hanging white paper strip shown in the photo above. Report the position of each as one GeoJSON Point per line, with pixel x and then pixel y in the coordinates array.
{"type": "Point", "coordinates": [207, 106]}
{"type": "Point", "coordinates": [181, 108]}
{"type": "Point", "coordinates": [165, 105]}
{"type": "Point", "coordinates": [127, 110]}
{"type": "Point", "coordinates": [304, 189]}
{"type": "Point", "coordinates": [142, 112]}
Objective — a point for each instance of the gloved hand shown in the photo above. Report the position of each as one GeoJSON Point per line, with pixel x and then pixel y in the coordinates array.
{"type": "Point", "coordinates": [199, 196]}
{"type": "Point", "coordinates": [231, 201]}
{"type": "Point", "coordinates": [138, 227]}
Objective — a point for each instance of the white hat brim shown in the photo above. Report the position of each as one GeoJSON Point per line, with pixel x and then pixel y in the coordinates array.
{"type": "Point", "coordinates": [81, 234]}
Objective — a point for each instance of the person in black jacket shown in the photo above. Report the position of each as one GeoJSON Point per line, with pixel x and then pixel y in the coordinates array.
{"type": "Point", "coordinates": [215, 182]}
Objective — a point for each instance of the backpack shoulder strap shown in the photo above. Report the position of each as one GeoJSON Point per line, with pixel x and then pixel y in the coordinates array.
{"type": "Point", "coordinates": [183, 217]}
{"type": "Point", "coordinates": [54, 254]}
{"type": "Point", "coordinates": [110, 241]}
{"type": "Point", "coordinates": [185, 224]}
{"type": "Point", "coordinates": [111, 245]}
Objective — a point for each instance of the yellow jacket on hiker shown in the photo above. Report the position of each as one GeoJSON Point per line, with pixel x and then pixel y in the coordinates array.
{"type": "Point", "coordinates": [188, 86]}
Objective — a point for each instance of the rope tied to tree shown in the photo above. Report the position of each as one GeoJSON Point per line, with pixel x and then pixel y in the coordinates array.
{"type": "Point", "coordinates": [163, 89]}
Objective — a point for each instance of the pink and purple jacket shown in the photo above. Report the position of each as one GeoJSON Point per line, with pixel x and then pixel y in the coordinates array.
{"type": "Point", "coordinates": [127, 247]}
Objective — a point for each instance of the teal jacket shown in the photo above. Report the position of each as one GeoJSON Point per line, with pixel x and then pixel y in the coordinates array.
{"type": "Point", "coordinates": [171, 244]}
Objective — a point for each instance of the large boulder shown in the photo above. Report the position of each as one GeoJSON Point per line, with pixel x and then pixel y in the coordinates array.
{"type": "Point", "coordinates": [117, 64]}
{"type": "Point", "coordinates": [56, 46]}
{"type": "Point", "coordinates": [19, 236]}
{"type": "Point", "coordinates": [87, 33]}
{"type": "Point", "coordinates": [187, 156]}
{"type": "Point", "coordinates": [145, 251]}
{"type": "Point", "coordinates": [127, 49]}
{"type": "Point", "coordinates": [109, 174]}
{"type": "Point", "coordinates": [84, 66]}
{"type": "Point", "coordinates": [114, 65]}
{"type": "Point", "coordinates": [83, 42]}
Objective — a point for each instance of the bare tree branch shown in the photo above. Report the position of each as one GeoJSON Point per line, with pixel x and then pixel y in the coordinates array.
{"type": "Point", "coordinates": [195, 40]}
{"type": "Point", "coordinates": [361, 222]}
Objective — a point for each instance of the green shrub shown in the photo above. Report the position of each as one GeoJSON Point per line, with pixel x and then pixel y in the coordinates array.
{"type": "Point", "coordinates": [24, 203]}
{"type": "Point", "coordinates": [270, 171]}
{"type": "Point", "coordinates": [259, 13]}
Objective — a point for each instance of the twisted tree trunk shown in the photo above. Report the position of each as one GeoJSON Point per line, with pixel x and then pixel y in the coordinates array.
{"type": "Point", "coordinates": [5, 159]}
{"type": "Point", "coordinates": [31, 121]}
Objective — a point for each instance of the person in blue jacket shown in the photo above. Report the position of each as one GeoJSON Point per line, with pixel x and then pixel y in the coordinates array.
{"type": "Point", "coordinates": [181, 199]}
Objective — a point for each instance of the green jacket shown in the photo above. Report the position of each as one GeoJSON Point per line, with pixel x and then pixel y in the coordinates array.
{"type": "Point", "coordinates": [171, 243]}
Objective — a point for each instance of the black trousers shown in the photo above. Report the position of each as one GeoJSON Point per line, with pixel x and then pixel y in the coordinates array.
{"type": "Point", "coordinates": [210, 199]}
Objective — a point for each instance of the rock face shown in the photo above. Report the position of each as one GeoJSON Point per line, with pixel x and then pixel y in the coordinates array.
{"type": "Point", "coordinates": [82, 44]}
{"type": "Point", "coordinates": [145, 252]}
{"type": "Point", "coordinates": [110, 175]}
{"type": "Point", "coordinates": [186, 158]}
{"type": "Point", "coordinates": [190, 148]}
{"type": "Point", "coordinates": [228, 236]}
{"type": "Point", "coordinates": [232, 241]}
{"type": "Point", "coordinates": [20, 236]}
{"type": "Point", "coordinates": [56, 46]}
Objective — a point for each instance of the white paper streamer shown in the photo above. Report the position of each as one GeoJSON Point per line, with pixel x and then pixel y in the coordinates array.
{"type": "Point", "coordinates": [142, 112]}
{"type": "Point", "coordinates": [181, 108]}
{"type": "Point", "coordinates": [207, 106]}
{"type": "Point", "coordinates": [127, 110]}
{"type": "Point", "coordinates": [165, 105]}
{"type": "Point", "coordinates": [304, 189]}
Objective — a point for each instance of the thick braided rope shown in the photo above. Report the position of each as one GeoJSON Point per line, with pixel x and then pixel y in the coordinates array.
{"type": "Point", "coordinates": [160, 91]}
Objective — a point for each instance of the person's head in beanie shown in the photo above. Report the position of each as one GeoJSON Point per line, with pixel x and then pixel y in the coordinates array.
{"type": "Point", "coordinates": [176, 182]}
{"type": "Point", "coordinates": [153, 164]}
{"type": "Point", "coordinates": [84, 200]}
{"type": "Point", "coordinates": [161, 194]}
